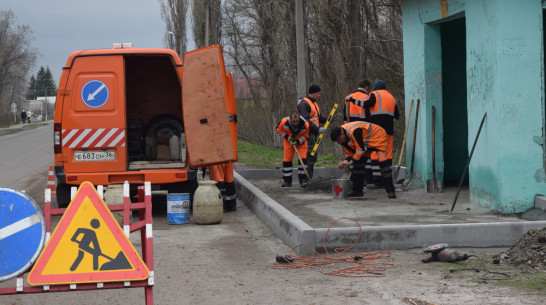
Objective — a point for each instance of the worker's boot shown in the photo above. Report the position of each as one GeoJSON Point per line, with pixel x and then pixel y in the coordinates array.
{"type": "Point", "coordinates": [230, 200]}
{"type": "Point", "coordinates": [386, 173]}
{"type": "Point", "coordinates": [358, 186]}
{"type": "Point", "coordinates": [287, 174]}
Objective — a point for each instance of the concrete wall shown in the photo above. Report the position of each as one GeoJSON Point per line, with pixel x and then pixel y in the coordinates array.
{"type": "Point", "coordinates": [504, 70]}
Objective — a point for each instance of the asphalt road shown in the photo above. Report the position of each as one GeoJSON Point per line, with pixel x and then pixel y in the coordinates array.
{"type": "Point", "coordinates": [26, 155]}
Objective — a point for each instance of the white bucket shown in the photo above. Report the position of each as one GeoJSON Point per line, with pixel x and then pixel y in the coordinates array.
{"type": "Point", "coordinates": [178, 208]}
{"type": "Point", "coordinates": [340, 188]}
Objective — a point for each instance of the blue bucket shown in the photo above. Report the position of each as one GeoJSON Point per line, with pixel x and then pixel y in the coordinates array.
{"type": "Point", "coordinates": [178, 208]}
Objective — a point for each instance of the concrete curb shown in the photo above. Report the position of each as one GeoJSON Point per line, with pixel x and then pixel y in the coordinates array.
{"type": "Point", "coordinates": [294, 232]}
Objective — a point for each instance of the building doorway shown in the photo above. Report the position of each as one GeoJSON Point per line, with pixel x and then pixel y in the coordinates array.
{"type": "Point", "coordinates": [454, 100]}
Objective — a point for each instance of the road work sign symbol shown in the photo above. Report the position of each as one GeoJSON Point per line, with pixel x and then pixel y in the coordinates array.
{"type": "Point", "coordinates": [95, 93]}
{"type": "Point", "coordinates": [87, 246]}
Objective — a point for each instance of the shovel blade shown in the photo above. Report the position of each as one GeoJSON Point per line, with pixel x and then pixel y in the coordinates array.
{"type": "Point", "coordinates": [434, 186]}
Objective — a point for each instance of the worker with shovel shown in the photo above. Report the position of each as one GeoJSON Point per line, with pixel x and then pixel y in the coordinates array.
{"type": "Point", "coordinates": [358, 140]}
{"type": "Point", "coordinates": [295, 131]}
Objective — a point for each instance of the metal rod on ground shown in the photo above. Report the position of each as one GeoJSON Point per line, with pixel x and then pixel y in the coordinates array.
{"type": "Point", "coordinates": [403, 142]}
{"type": "Point", "coordinates": [328, 120]}
{"type": "Point", "coordinates": [468, 162]}
{"type": "Point", "coordinates": [301, 162]}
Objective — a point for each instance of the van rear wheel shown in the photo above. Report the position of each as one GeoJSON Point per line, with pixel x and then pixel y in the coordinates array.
{"type": "Point", "coordinates": [63, 194]}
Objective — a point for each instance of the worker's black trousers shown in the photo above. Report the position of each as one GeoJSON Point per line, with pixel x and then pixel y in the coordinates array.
{"type": "Point", "coordinates": [229, 195]}
{"type": "Point", "coordinates": [358, 174]}
{"type": "Point", "coordinates": [287, 171]}
{"type": "Point", "coordinates": [386, 174]}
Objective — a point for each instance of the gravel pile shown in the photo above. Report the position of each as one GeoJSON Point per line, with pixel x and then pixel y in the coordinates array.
{"type": "Point", "coordinates": [529, 253]}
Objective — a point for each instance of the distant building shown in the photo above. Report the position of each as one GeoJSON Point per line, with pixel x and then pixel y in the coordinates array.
{"type": "Point", "coordinates": [467, 58]}
{"type": "Point", "coordinates": [38, 106]}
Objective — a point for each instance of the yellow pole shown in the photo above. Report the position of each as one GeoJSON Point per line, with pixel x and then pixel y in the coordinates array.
{"type": "Point", "coordinates": [328, 120]}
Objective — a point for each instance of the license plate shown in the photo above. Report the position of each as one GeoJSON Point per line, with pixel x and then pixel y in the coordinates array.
{"type": "Point", "coordinates": [108, 155]}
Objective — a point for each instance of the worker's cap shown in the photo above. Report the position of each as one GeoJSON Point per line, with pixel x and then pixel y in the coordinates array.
{"type": "Point", "coordinates": [379, 85]}
{"type": "Point", "coordinates": [335, 133]}
{"type": "Point", "coordinates": [314, 89]}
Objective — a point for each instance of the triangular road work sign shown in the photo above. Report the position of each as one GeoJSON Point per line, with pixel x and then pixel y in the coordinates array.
{"type": "Point", "coordinates": [87, 246]}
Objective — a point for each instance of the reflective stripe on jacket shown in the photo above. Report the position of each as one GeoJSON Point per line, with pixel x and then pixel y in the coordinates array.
{"type": "Point", "coordinates": [384, 103]}
{"type": "Point", "coordinates": [300, 133]}
{"type": "Point", "coordinates": [373, 137]}
{"type": "Point", "coordinates": [314, 112]}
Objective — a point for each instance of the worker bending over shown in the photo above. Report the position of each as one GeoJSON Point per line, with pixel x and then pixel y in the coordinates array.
{"type": "Point", "coordinates": [383, 111]}
{"type": "Point", "coordinates": [294, 130]}
{"type": "Point", "coordinates": [358, 140]}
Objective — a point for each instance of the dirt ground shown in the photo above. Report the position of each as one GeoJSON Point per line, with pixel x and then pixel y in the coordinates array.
{"type": "Point", "coordinates": [234, 262]}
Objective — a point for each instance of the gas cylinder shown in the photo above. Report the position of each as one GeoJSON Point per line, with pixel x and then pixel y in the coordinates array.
{"type": "Point", "coordinates": [208, 208]}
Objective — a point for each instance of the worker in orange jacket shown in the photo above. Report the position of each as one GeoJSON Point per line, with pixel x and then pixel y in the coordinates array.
{"type": "Point", "coordinates": [383, 111]}
{"type": "Point", "coordinates": [309, 109]}
{"type": "Point", "coordinates": [294, 130]}
{"type": "Point", "coordinates": [358, 140]}
{"type": "Point", "coordinates": [354, 112]}
{"type": "Point", "coordinates": [223, 175]}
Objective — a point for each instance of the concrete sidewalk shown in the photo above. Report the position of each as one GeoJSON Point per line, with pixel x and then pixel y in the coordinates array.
{"type": "Point", "coordinates": [416, 219]}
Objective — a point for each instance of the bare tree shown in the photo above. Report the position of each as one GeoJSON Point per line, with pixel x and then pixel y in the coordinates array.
{"type": "Point", "coordinates": [207, 22]}
{"type": "Point", "coordinates": [259, 40]}
{"type": "Point", "coordinates": [17, 57]}
{"type": "Point", "coordinates": [173, 13]}
{"type": "Point", "coordinates": [347, 41]}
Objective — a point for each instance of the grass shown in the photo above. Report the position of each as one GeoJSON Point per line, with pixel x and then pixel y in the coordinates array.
{"type": "Point", "coordinates": [258, 156]}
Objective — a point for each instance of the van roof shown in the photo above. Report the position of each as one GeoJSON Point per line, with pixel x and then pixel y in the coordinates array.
{"type": "Point", "coordinates": [102, 52]}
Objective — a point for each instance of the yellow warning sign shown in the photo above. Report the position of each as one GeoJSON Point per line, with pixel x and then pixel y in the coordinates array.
{"type": "Point", "coordinates": [87, 246]}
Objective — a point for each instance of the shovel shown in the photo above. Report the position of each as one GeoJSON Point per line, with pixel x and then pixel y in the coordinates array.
{"type": "Point", "coordinates": [433, 185]}
{"type": "Point", "coordinates": [408, 179]}
{"type": "Point", "coordinates": [403, 143]}
{"type": "Point", "coordinates": [301, 162]}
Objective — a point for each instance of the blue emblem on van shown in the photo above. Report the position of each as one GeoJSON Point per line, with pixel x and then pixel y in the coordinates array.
{"type": "Point", "coordinates": [95, 93]}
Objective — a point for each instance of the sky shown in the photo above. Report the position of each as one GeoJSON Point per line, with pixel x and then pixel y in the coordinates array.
{"type": "Point", "coordinates": [63, 26]}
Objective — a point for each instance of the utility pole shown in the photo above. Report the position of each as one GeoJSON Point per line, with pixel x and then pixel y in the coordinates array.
{"type": "Point", "coordinates": [300, 50]}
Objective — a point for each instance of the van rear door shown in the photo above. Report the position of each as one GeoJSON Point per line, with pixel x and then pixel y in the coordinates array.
{"type": "Point", "coordinates": [93, 125]}
{"type": "Point", "coordinates": [205, 100]}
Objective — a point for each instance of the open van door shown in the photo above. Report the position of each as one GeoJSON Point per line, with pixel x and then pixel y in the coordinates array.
{"type": "Point", "coordinates": [205, 100]}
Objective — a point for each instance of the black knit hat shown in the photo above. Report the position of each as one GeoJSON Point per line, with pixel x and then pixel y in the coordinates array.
{"type": "Point", "coordinates": [335, 133]}
{"type": "Point", "coordinates": [314, 89]}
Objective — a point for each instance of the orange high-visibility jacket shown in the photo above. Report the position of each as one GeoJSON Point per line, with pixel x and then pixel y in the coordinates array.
{"type": "Point", "coordinates": [314, 113]}
{"type": "Point", "coordinates": [353, 111]}
{"type": "Point", "coordinates": [384, 103]}
{"type": "Point", "coordinates": [363, 137]}
{"type": "Point", "coordinates": [299, 133]}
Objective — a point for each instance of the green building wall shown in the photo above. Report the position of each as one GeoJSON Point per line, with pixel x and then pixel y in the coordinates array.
{"type": "Point", "coordinates": [504, 78]}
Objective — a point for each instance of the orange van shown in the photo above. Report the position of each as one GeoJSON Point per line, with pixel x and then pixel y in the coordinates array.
{"type": "Point", "coordinates": [129, 114]}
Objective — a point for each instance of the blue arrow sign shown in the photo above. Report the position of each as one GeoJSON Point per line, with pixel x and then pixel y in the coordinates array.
{"type": "Point", "coordinates": [95, 93]}
{"type": "Point", "coordinates": [22, 232]}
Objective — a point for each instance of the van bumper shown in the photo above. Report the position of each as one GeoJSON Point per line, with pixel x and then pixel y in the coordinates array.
{"type": "Point", "coordinates": [164, 176]}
